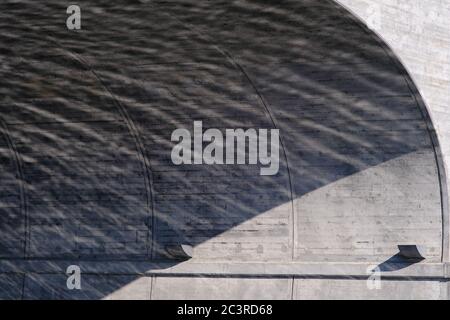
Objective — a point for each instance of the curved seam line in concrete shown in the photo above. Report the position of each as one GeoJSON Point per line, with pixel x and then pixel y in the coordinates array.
{"type": "Point", "coordinates": [266, 109]}
{"type": "Point", "coordinates": [20, 176]}
{"type": "Point", "coordinates": [269, 114]}
{"type": "Point", "coordinates": [426, 115]}
{"type": "Point", "coordinates": [148, 176]}
{"type": "Point", "coordinates": [441, 173]}
{"type": "Point", "coordinates": [146, 166]}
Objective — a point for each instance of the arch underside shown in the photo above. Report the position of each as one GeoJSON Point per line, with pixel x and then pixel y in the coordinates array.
{"type": "Point", "coordinates": [89, 116]}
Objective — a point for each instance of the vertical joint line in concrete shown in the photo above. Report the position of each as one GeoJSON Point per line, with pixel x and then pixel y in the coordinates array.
{"type": "Point", "coordinates": [293, 297]}
{"type": "Point", "coordinates": [24, 280]}
{"type": "Point", "coordinates": [152, 284]}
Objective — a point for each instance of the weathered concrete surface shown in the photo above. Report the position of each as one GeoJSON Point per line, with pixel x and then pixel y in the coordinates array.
{"type": "Point", "coordinates": [313, 289]}
{"type": "Point", "coordinates": [338, 270]}
{"type": "Point", "coordinates": [419, 34]}
{"type": "Point", "coordinates": [49, 287]}
{"type": "Point", "coordinates": [11, 286]}
{"type": "Point", "coordinates": [222, 288]}
{"type": "Point", "coordinates": [87, 116]}
{"type": "Point", "coordinates": [190, 280]}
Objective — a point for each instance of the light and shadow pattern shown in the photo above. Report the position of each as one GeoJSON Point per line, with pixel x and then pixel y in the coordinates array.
{"type": "Point", "coordinates": [87, 117]}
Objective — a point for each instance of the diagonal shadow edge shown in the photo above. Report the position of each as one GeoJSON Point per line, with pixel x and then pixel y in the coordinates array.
{"type": "Point", "coordinates": [436, 146]}
{"type": "Point", "coordinates": [424, 108]}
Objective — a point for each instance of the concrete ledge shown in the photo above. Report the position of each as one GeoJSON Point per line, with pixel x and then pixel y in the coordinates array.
{"type": "Point", "coordinates": [309, 270]}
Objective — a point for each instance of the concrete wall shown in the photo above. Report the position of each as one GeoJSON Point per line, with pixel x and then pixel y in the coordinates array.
{"type": "Point", "coordinates": [87, 116]}
{"type": "Point", "coordinates": [89, 136]}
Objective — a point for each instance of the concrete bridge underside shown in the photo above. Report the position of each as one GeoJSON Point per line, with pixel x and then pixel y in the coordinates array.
{"type": "Point", "coordinates": [86, 119]}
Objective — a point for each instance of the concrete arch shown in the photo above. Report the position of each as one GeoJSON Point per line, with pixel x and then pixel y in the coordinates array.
{"type": "Point", "coordinates": [362, 175]}
{"type": "Point", "coordinates": [415, 50]}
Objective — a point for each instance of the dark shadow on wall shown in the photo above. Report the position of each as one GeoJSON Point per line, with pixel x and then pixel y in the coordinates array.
{"type": "Point", "coordinates": [88, 115]}
{"type": "Point", "coordinates": [397, 262]}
